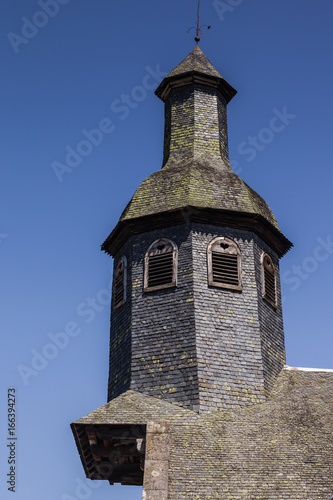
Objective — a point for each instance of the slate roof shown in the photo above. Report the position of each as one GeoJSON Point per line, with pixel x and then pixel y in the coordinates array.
{"type": "Point", "coordinates": [279, 449]}
{"type": "Point", "coordinates": [199, 184]}
{"type": "Point", "coordinates": [195, 61]}
{"type": "Point", "coordinates": [192, 182]}
{"type": "Point", "coordinates": [197, 64]}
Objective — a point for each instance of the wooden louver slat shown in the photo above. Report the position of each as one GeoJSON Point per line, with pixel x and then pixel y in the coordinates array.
{"type": "Point", "coordinates": [119, 290]}
{"type": "Point", "coordinates": [270, 285]}
{"type": "Point", "coordinates": [269, 280]}
{"type": "Point", "coordinates": [225, 268]}
{"type": "Point", "coordinates": [160, 269]}
{"type": "Point", "coordinates": [119, 284]}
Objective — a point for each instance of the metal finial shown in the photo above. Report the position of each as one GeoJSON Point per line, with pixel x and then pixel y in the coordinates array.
{"type": "Point", "coordinates": [198, 27]}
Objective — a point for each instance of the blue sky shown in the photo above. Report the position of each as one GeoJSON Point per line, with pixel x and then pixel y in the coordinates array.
{"type": "Point", "coordinates": [63, 79]}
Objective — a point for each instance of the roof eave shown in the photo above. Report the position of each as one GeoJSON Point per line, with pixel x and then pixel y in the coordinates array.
{"type": "Point", "coordinates": [225, 218]}
{"type": "Point", "coordinates": [195, 77]}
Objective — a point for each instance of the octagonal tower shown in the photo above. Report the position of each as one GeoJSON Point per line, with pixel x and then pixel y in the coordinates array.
{"type": "Point", "coordinates": [196, 329]}
{"type": "Point", "coordinates": [196, 307]}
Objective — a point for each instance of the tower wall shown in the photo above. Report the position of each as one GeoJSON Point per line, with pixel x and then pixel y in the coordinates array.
{"type": "Point", "coordinates": [223, 129]}
{"type": "Point", "coordinates": [195, 125]}
{"type": "Point", "coordinates": [271, 320]}
{"type": "Point", "coordinates": [195, 344]}
{"type": "Point", "coordinates": [227, 326]}
{"type": "Point", "coordinates": [121, 336]}
{"type": "Point", "coordinates": [179, 124]}
{"type": "Point", "coordinates": [156, 330]}
{"type": "Point", "coordinates": [163, 330]}
{"type": "Point", "coordinates": [240, 338]}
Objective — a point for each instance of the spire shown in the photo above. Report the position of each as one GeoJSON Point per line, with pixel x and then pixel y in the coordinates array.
{"type": "Point", "coordinates": [196, 170]}
{"type": "Point", "coordinates": [198, 27]}
{"type": "Point", "coordinates": [196, 97]}
{"type": "Point", "coordinates": [197, 37]}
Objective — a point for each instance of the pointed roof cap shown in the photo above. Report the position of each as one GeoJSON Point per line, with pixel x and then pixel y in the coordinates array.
{"type": "Point", "coordinates": [195, 68]}
{"type": "Point", "coordinates": [195, 61]}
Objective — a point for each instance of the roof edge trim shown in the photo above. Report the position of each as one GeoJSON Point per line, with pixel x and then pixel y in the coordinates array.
{"type": "Point", "coordinates": [301, 369]}
{"type": "Point", "coordinates": [195, 77]}
{"type": "Point", "coordinates": [242, 220]}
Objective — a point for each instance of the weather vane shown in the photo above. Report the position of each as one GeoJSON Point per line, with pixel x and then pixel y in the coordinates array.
{"type": "Point", "coordinates": [198, 28]}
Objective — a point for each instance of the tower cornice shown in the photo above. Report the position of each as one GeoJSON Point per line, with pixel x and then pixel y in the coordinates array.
{"type": "Point", "coordinates": [195, 69]}
{"type": "Point", "coordinates": [227, 218]}
{"type": "Point", "coordinates": [195, 77]}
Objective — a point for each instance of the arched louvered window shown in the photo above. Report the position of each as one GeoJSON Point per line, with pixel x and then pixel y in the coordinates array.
{"type": "Point", "coordinates": [119, 283]}
{"type": "Point", "coordinates": [269, 280]}
{"type": "Point", "coordinates": [224, 264]}
{"type": "Point", "coordinates": [160, 265]}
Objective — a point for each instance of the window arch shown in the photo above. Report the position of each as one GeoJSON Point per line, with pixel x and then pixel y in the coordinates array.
{"type": "Point", "coordinates": [120, 279]}
{"type": "Point", "coordinates": [224, 264]}
{"type": "Point", "coordinates": [160, 265]}
{"type": "Point", "coordinates": [269, 280]}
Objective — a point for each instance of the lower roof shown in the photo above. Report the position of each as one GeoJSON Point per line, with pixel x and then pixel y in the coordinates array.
{"type": "Point", "coordinates": [279, 449]}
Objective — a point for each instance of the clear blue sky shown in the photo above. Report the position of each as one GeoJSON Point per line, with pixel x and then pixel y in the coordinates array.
{"type": "Point", "coordinates": [62, 78]}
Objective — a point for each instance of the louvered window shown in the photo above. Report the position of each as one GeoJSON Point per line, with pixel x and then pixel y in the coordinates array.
{"type": "Point", "coordinates": [224, 264]}
{"type": "Point", "coordinates": [119, 283]}
{"type": "Point", "coordinates": [269, 279]}
{"type": "Point", "coordinates": [160, 265]}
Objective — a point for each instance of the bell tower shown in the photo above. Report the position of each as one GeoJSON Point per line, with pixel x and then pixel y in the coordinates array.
{"type": "Point", "coordinates": [196, 302]}
{"type": "Point", "coordinates": [197, 335]}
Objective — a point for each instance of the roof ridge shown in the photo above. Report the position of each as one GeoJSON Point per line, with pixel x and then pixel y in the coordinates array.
{"type": "Point", "coordinates": [302, 369]}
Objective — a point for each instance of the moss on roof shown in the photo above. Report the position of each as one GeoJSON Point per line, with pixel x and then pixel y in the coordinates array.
{"type": "Point", "coordinates": [279, 449]}
{"type": "Point", "coordinates": [200, 184]}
